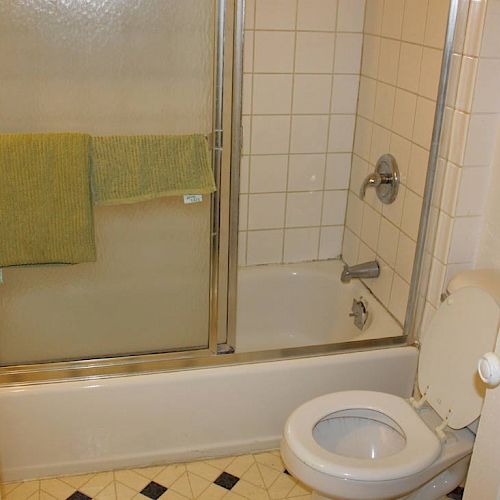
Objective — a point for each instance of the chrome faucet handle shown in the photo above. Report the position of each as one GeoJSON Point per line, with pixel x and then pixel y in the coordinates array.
{"type": "Point", "coordinates": [372, 180]}
{"type": "Point", "coordinates": [385, 180]}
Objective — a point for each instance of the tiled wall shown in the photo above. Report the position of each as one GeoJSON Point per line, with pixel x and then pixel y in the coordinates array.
{"type": "Point", "coordinates": [403, 42]}
{"type": "Point", "coordinates": [464, 170]}
{"type": "Point", "coordinates": [301, 75]}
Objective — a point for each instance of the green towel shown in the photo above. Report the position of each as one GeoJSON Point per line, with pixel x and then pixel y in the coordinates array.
{"type": "Point", "coordinates": [45, 199]}
{"type": "Point", "coordinates": [129, 169]}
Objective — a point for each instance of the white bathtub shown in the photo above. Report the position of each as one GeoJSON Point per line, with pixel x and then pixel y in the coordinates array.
{"type": "Point", "coordinates": [77, 427]}
{"type": "Point", "coordinates": [303, 304]}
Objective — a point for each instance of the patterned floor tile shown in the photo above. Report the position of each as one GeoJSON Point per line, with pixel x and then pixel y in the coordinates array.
{"type": "Point", "coordinates": [252, 477]}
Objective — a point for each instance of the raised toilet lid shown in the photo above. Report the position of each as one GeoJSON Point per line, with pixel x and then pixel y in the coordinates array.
{"type": "Point", "coordinates": [462, 330]}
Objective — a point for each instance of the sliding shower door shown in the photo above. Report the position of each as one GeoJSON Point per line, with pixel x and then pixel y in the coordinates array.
{"type": "Point", "coordinates": [111, 67]}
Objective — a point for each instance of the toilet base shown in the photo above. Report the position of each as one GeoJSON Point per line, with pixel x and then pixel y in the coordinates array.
{"type": "Point", "coordinates": [435, 489]}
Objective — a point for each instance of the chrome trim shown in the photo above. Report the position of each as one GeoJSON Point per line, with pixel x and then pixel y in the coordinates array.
{"type": "Point", "coordinates": [418, 268]}
{"type": "Point", "coordinates": [236, 147]}
{"type": "Point", "coordinates": [141, 365]}
{"type": "Point", "coordinates": [218, 144]}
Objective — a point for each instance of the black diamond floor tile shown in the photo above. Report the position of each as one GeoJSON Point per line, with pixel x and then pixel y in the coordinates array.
{"type": "Point", "coordinates": [78, 495]}
{"type": "Point", "coordinates": [226, 480]}
{"type": "Point", "coordinates": [456, 494]}
{"type": "Point", "coordinates": [153, 490]}
{"type": "Point", "coordinates": [286, 472]}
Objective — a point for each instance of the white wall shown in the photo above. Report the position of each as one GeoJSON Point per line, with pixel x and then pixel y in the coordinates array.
{"type": "Point", "coordinates": [489, 247]}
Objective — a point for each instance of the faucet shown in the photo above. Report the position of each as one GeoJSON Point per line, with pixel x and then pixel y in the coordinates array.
{"type": "Point", "coordinates": [365, 270]}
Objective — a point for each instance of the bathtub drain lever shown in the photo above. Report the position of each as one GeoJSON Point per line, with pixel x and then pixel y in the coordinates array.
{"type": "Point", "coordinates": [359, 312]}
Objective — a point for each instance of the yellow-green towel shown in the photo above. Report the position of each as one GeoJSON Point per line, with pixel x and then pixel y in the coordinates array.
{"type": "Point", "coordinates": [45, 200]}
{"type": "Point", "coordinates": [129, 169]}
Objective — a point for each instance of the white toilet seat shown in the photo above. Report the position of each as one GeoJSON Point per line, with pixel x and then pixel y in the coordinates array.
{"type": "Point", "coordinates": [421, 449]}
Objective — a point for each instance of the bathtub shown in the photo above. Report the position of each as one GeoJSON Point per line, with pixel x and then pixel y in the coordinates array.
{"type": "Point", "coordinates": [297, 305]}
{"type": "Point", "coordinates": [83, 426]}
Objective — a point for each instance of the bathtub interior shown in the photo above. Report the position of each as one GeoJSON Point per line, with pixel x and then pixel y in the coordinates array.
{"type": "Point", "coordinates": [305, 304]}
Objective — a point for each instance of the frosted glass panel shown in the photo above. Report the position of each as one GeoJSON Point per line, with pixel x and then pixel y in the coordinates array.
{"type": "Point", "coordinates": [111, 67]}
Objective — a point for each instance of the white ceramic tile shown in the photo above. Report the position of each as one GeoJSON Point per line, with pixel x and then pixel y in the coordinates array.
{"type": "Point", "coordinates": [264, 247]}
{"type": "Point", "coordinates": [309, 134]}
{"type": "Point", "coordinates": [312, 94]}
{"type": "Point", "coordinates": [247, 94]}
{"type": "Point", "coordinates": [491, 36]}
{"type": "Point", "coordinates": [338, 169]}
{"type": "Point", "coordinates": [363, 137]}
{"type": "Point", "coordinates": [272, 94]}
{"type": "Point", "coordinates": [381, 141]}
{"type": "Point", "coordinates": [354, 216]}
{"type": "Point", "coordinates": [274, 51]}
{"type": "Point", "coordinates": [415, 16]}
{"type": "Point", "coordinates": [384, 104]}
{"type": "Point", "coordinates": [317, 15]}
{"type": "Point", "coordinates": [424, 122]}
{"type": "Point", "coordinates": [405, 256]}
{"type": "Point", "coordinates": [330, 246]}
{"type": "Point", "coordinates": [242, 248]}
{"type": "Point", "coordinates": [370, 226]}
{"type": "Point", "coordinates": [334, 208]}
{"type": "Point", "coordinates": [246, 124]}
{"type": "Point", "coordinates": [411, 214]}
{"type": "Point", "coordinates": [389, 61]}
{"type": "Point", "coordinates": [301, 244]}
{"type": "Point", "coordinates": [394, 211]}
{"type": "Point", "coordinates": [348, 53]}
{"type": "Point", "coordinates": [249, 14]}
{"type": "Point", "coordinates": [399, 297]}
{"type": "Point", "coordinates": [359, 171]}
{"type": "Point", "coordinates": [275, 14]}
{"type": "Point", "coordinates": [244, 174]}
{"type": "Point", "coordinates": [430, 72]}
{"type": "Point", "coordinates": [374, 12]}
{"type": "Point", "coordinates": [409, 66]}
{"type": "Point", "coordinates": [268, 173]}
{"type": "Point", "coordinates": [392, 21]}
{"type": "Point", "coordinates": [341, 133]}
{"type": "Point", "coordinates": [388, 242]}
{"type": "Point", "coordinates": [417, 173]}
{"type": "Point", "coordinates": [350, 247]}
{"type": "Point", "coordinates": [351, 15]}
{"type": "Point", "coordinates": [314, 52]}
{"type": "Point", "coordinates": [404, 113]}
{"type": "Point", "coordinates": [466, 86]}
{"type": "Point", "coordinates": [243, 213]}
{"type": "Point", "coordinates": [437, 18]}
{"type": "Point", "coordinates": [304, 209]}
{"type": "Point", "coordinates": [266, 211]}
{"type": "Point", "coordinates": [270, 134]}
{"type": "Point", "coordinates": [458, 137]}
{"type": "Point", "coordinates": [371, 54]}
{"type": "Point", "coordinates": [382, 285]}
{"type": "Point", "coordinates": [436, 282]}
{"type": "Point", "coordinates": [443, 237]}
{"type": "Point", "coordinates": [365, 254]}
{"type": "Point", "coordinates": [306, 172]}
{"type": "Point", "coordinates": [345, 93]}
{"type": "Point", "coordinates": [450, 188]}
{"type": "Point", "coordinates": [367, 95]}
{"type": "Point", "coordinates": [248, 50]}
{"type": "Point", "coordinates": [400, 148]}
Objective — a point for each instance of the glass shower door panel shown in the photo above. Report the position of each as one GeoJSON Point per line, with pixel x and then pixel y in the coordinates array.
{"type": "Point", "coordinates": [109, 67]}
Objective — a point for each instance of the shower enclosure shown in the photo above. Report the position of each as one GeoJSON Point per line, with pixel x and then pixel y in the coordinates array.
{"type": "Point", "coordinates": [298, 100]}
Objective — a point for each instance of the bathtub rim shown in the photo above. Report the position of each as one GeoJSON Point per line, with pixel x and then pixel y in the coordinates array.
{"type": "Point", "coordinates": [123, 366]}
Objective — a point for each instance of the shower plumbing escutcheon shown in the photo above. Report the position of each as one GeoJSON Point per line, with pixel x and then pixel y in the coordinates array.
{"type": "Point", "coordinates": [385, 180]}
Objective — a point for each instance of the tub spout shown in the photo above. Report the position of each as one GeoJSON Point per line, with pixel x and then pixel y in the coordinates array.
{"type": "Point", "coordinates": [365, 270]}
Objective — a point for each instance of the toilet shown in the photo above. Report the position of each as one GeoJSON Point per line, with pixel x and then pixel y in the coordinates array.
{"type": "Point", "coordinates": [370, 445]}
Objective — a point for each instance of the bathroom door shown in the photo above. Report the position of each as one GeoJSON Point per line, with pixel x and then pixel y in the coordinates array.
{"type": "Point", "coordinates": [111, 67]}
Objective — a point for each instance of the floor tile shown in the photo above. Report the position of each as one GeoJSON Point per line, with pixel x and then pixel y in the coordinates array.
{"type": "Point", "coordinates": [153, 490]}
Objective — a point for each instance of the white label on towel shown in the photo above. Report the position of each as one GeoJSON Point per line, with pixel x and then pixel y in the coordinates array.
{"type": "Point", "coordinates": [192, 198]}
{"type": "Point", "coordinates": [1, 276]}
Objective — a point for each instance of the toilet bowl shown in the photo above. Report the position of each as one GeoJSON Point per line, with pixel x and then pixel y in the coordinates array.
{"type": "Point", "coordinates": [371, 445]}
